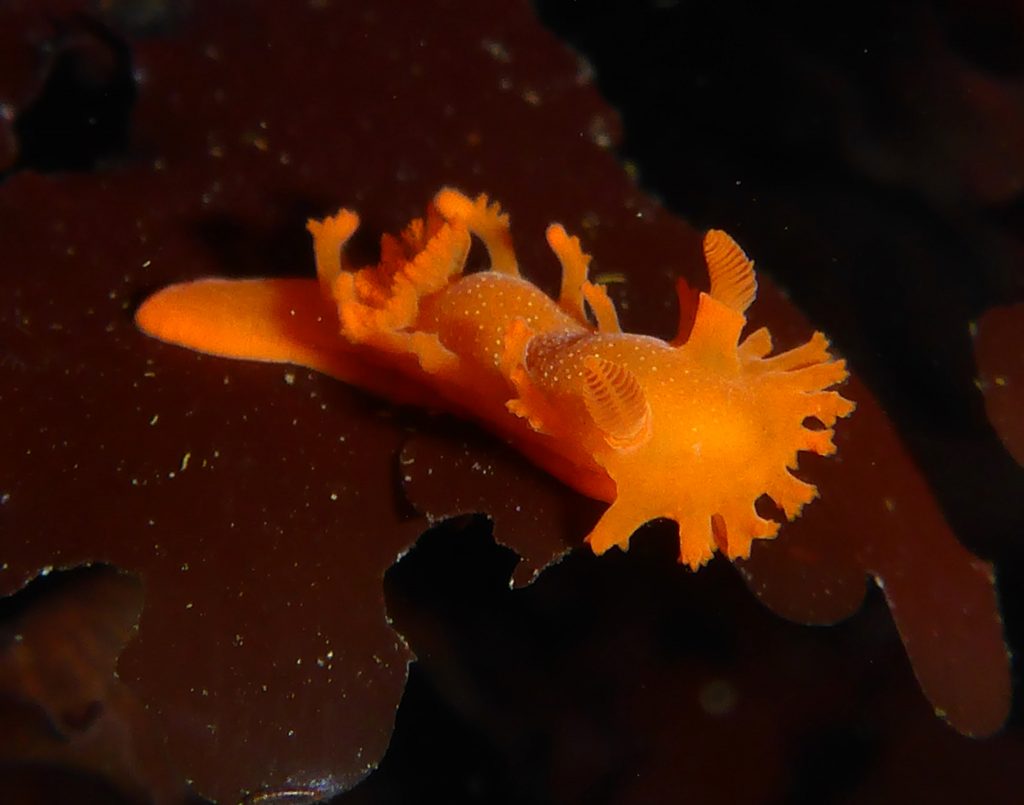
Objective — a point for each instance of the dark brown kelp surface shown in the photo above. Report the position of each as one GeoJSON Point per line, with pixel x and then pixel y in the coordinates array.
{"type": "Point", "coordinates": [252, 512]}
{"type": "Point", "coordinates": [1001, 373]}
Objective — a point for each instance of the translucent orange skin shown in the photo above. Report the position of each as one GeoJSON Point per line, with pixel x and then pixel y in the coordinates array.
{"type": "Point", "coordinates": [695, 431]}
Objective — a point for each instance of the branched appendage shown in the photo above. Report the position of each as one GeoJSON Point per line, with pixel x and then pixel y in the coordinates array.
{"type": "Point", "coordinates": [791, 388]}
{"type": "Point", "coordinates": [605, 314]}
{"type": "Point", "coordinates": [756, 345]}
{"type": "Point", "coordinates": [528, 401]}
{"type": "Point", "coordinates": [576, 288]}
{"type": "Point", "coordinates": [378, 305]}
{"type": "Point", "coordinates": [484, 220]}
{"type": "Point", "coordinates": [329, 238]}
{"type": "Point", "coordinates": [574, 262]}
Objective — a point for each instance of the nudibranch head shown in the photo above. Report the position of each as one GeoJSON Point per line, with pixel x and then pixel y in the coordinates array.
{"type": "Point", "coordinates": [697, 431]}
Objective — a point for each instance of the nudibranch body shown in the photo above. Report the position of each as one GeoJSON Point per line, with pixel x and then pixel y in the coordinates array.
{"type": "Point", "coordinates": [695, 430]}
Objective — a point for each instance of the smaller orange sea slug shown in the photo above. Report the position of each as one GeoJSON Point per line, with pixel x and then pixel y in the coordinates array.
{"type": "Point", "coordinates": [695, 430]}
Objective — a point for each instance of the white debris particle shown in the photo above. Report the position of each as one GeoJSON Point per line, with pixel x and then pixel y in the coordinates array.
{"type": "Point", "coordinates": [718, 697]}
{"type": "Point", "coordinates": [497, 50]}
{"type": "Point", "coordinates": [600, 133]}
{"type": "Point", "coordinates": [532, 97]}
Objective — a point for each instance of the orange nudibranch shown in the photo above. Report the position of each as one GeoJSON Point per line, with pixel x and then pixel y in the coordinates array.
{"type": "Point", "coordinates": [695, 430]}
